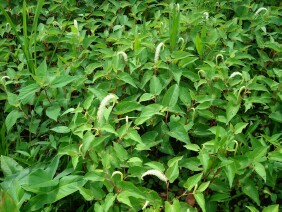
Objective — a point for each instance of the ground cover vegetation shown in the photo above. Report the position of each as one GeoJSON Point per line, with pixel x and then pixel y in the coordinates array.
{"type": "Point", "coordinates": [140, 105]}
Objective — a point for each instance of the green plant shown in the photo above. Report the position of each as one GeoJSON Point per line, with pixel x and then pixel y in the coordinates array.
{"type": "Point", "coordinates": [140, 105]}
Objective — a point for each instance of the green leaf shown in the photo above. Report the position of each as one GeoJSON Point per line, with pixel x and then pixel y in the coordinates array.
{"type": "Point", "coordinates": [271, 208]}
{"type": "Point", "coordinates": [192, 147]}
{"type": "Point", "coordinates": [127, 79]}
{"type": "Point", "coordinates": [171, 96]}
{"type": "Point", "coordinates": [231, 110]}
{"type": "Point", "coordinates": [109, 201]}
{"type": "Point", "coordinates": [276, 116]}
{"type": "Point", "coordinates": [86, 193]}
{"type": "Point", "coordinates": [178, 132]}
{"type": "Point", "coordinates": [199, 196]}
{"type": "Point", "coordinates": [203, 186]}
{"type": "Point", "coordinates": [61, 81]}
{"type": "Point", "coordinates": [66, 186]}
{"type": "Point", "coordinates": [7, 203]}
{"type": "Point", "coordinates": [230, 170]}
{"type": "Point", "coordinates": [204, 158]}
{"type": "Point", "coordinates": [53, 112]}
{"type": "Point", "coordinates": [174, 207]}
{"type": "Point", "coordinates": [122, 154]}
{"type": "Point", "coordinates": [199, 45]}
{"type": "Point", "coordinates": [12, 118]}
{"type": "Point", "coordinates": [186, 61]}
{"type": "Point", "coordinates": [126, 107]}
{"type": "Point", "coordinates": [260, 170]}
{"type": "Point", "coordinates": [252, 209]}
{"type": "Point", "coordinates": [61, 129]}
{"type": "Point", "coordinates": [155, 86]}
{"type": "Point", "coordinates": [27, 93]}
{"type": "Point", "coordinates": [148, 112]}
{"type": "Point", "coordinates": [193, 181]}
{"type": "Point", "coordinates": [239, 127]}
{"type": "Point", "coordinates": [251, 191]}
{"type": "Point", "coordinates": [9, 166]}
{"type": "Point", "coordinates": [180, 55]}
{"type": "Point", "coordinates": [41, 73]}
{"type": "Point", "coordinates": [172, 172]}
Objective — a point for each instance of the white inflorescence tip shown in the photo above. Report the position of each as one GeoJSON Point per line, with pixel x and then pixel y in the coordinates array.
{"type": "Point", "coordinates": [156, 173]}
{"type": "Point", "coordinates": [157, 53]}
{"type": "Point", "coordinates": [260, 9]}
{"type": "Point", "coordinates": [124, 55]}
{"type": "Point", "coordinates": [109, 98]}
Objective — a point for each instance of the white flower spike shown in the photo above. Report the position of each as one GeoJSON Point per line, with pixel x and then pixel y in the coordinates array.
{"type": "Point", "coordinates": [157, 53]}
{"type": "Point", "coordinates": [75, 24]}
{"type": "Point", "coordinates": [124, 55]}
{"type": "Point", "coordinates": [156, 173]}
{"type": "Point", "coordinates": [260, 9]}
{"type": "Point", "coordinates": [206, 14]}
{"type": "Point", "coordinates": [109, 98]}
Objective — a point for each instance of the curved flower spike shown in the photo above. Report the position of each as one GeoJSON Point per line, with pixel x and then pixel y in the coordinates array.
{"type": "Point", "coordinates": [156, 173]}
{"type": "Point", "coordinates": [124, 55]}
{"type": "Point", "coordinates": [206, 14]}
{"type": "Point", "coordinates": [157, 53]}
{"type": "Point", "coordinates": [109, 98]}
{"type": "Point", "coordinates": [217, 56]}
{"type": "Point", "coordinates": [259, 10]}
{"type": "Point", "coordinates": [117, 172]}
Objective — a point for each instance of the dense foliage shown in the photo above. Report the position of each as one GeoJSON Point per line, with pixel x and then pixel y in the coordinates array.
{"type": "Point", "coordinates": [140, 105]}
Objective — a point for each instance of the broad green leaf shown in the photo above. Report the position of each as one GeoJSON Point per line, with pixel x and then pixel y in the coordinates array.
{"type": "Point", "coordinates": [109, 201]}
{"type": "Point", "coordinates": [192, 147]}
{"type": "Point", "coordinates": [12, 118]}
{"type": "Point", "coordinates": [156, 165]}
{"type": "Point", "coordinates": [199, 45]}
{"type": "Point", "coordinates": [27, 93]}
{"type": "Point", "coordinates": [126, 107]}
{"type": "Point", "coordinates": [61, 129]}
{"type": "Point", "coordinates": [53, 112]}
{"type": "Point", "coordinates": [239, 127]}
{"type": "Point", "coordinates": [186, 61]}
{"type": "Point", "coordinates": [180, 54]}
{"type": "Point", "coordinates": [199, 196]}
{"type": "Point", "coordinates": [61, 81]}
{"type": "Point", "coordinates": [271, 208]}
{"type": "Point", "coordinates": [178, 132]}
{"type": "Point", "coordinates": [231, 110]}
{"type": "Point", "coordinates": [66, 186]}
{"type": "Point", "coordinates": [204, 158]}
{"type": "Point", "coordinates": [193, 181]}
{"type": "Point", "coordinates": [203, 186]}
{"type": "Point", "coordinates": [252, 209]}
{"type": "Point", "coordinates": [121, 153]}
{"type": "Point", "coordinates": [86, 193]}
{"type": "Point", "coordinates": [91, 67]}
{"type": "Point", "coordinates": [127, 79]}
{"type": "Point", "coordinates": [276, 116]}
{"type": "Point", "coordinates": [174, 207]}
{"type": "Point", "coordinates": [260, 170]}
{"type": "Point", "coordinates": [134, 135]}
{"type": "Point", "coordinates": [148, 112]}
{"type": "Point", "coordinates": [230, 170]}
{"type": "Point", "coordinates": [9, 166]}
{"type": "Point", "coordinates": [171, 96]}
{"type": "Point", "coordinates": [41, 73]}
{"type": "Point", "coordinates": [250, 190]}
{"type": "Point", "coordinates": [146, 97]}
{"type": "Point", "coordinates": [155, 86]}
{"type": "Point", "coordinates": [172, 172]}
{"type": "Point", "coordinates": [7, 203]}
